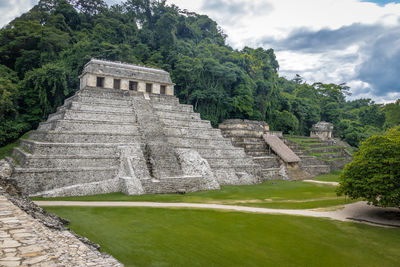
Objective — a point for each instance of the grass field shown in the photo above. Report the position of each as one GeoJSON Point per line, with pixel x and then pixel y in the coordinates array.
{"type": "Point", "coordinates": [190, 237]}
{"type": "Point", "coordinates": [270, 194]}
{"type": "Point", "coordinates": [329, 177]}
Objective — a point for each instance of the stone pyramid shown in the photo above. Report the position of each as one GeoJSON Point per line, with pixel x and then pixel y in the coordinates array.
{"type": "Point", "coordinates": [125, 131]}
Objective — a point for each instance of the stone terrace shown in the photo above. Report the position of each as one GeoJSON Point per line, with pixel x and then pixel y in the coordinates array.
{"type": "Point", "coordinates": [24, 241]}
{"type": "Point", "coordinates": [319, 156]}
{"type": "Point", "coordinates": [249, 136]}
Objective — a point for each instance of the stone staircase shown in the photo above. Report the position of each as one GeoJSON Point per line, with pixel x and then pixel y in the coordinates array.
{"type": "Point", "coordinates": [101, 139]}
{"type": "Point", "coordinates": [255, 147]}
{"type": "Point", "coordinates": [186, 130]}
{"type": "Point", "coordinates": [318, 156]}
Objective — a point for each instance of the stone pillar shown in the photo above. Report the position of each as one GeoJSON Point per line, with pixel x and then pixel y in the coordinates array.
{"type": "Point", "coordinates": [156, 88]}
{"type": "Point", "coordinates": [91, 80]}
{"type": "Point", "coordinates": [169, 90]}
{"type": "Point", "coordinates": [88, 80]}
{"type": "Point", "coordinates": [109, 82]}
{"type": "Point", "coordinates": [124, 84]}
{"type": "Point", "coordinates": [82, 82]}
{"type": "Point", "coordinates": [141, 87]}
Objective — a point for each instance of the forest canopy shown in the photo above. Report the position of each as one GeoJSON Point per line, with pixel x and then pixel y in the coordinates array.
{"type": "Point", "coordinates": [43, 51]}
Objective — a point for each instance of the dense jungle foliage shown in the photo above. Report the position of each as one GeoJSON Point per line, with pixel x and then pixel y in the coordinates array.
{"type": "Point", "coordinates": [43, 51]}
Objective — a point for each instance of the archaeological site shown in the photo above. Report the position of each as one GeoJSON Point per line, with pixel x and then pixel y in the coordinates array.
{"type": "Point", "coordinates": [125, 131]}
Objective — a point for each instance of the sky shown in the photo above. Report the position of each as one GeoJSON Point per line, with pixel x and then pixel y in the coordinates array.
{"type": "Point", "coordinates": [351, 41]}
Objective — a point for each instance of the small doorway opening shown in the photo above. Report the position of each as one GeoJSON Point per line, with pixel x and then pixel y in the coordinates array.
{"type": "Point", "coordinates": [162, 89]}
{"type": "Point", "coordinates": [133, 86]}
{"type": "Point", "coordinates": [100, 82]}
{"type": "Point", "coordinates": [149, 87]}
{"type": "Point", "coordinates": [117, 84]}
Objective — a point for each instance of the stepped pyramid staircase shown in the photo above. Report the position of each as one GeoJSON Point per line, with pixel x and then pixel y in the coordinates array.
{"type": "Point", "coordinates": [319, 156]}
{"type": "Point", "coordinates": [186, 130]}
{"type": "Point", "coordinates": [249, 135]}
{"type": "Point", "coordinates": [109, 140]}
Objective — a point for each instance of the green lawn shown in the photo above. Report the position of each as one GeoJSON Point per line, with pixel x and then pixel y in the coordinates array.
{"type": "Point", "coordinates": [329, 177]}
{"type": "Point", "coordinates": [270, 194]}
{"type": "Point", "coordinates": [319, 155]}
{"type": "Point", "coordinates": [191, 237]}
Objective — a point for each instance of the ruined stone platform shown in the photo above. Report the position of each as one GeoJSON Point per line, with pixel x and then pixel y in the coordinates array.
{"type": "Point", "coordinates": [319, 156]}
{"type": "Point", "coordinates": [248, 135]}
{"type": "Point", "coordinates": [24, 241]}
{"type": "Point", "coordinates": [277, 156]}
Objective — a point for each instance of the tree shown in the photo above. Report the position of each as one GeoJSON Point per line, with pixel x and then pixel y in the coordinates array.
{"type": "Point", "coordinates": [392, 114]}
{"type": "Point", "coordinates": [43, 90]}
{"type": "Point", "coordinates": [375, 172]}
{"type": "Point", "coordinates": [331, 112]}
{"type": "Point", "coordinates": [286, 122]}
{"type": "Point", "coordinates": [8, 90]}
{"type": "Point", "coordinates": [372, 115]}
{"type": "Point", "coordinates": [89, 7]}
{"type": "Point", "coordinates": [165, 31]}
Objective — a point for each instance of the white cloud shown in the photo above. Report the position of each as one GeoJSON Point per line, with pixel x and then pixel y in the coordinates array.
{"type": "Point", "coordinates": [10, 9]}
{"type": "Point", "coordinates": [287, 15]}
{"type": "Point", "coordinates": [334, 37]}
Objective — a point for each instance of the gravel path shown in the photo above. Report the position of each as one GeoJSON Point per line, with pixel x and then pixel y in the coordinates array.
{"type": "Point", "coordinates": [321, 182]}
{"type": "Point", "coordinates": [360, 211]}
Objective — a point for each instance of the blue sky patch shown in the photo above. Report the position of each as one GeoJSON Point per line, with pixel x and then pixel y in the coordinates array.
{"type": "Point", "coordinates": [381, 2]}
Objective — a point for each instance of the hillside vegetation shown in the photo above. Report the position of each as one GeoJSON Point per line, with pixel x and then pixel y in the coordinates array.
{"type": "Point", "coordinates": [43, 51]}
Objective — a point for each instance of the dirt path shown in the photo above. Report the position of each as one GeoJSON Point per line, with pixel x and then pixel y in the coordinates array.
{"type": "Point", "coordinates": [360, 211]}
{"type": "Point", "coordinates": [321, 182]}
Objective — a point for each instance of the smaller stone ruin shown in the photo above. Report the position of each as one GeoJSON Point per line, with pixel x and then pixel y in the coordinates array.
{"type": "Point", "coordinates": [267, 148]}
{"type": "Point", "coordinates": [322, 130]}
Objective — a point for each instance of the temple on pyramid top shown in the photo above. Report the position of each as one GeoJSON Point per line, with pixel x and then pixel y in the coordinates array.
{"type": "Point", "coordinates": [116, 75]}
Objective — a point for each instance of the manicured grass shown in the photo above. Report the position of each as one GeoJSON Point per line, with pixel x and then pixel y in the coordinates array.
{"type": "Point", "coordinates": [313, 148]}
{"type": "Point", "coordinates": [319, 155]}
{"type": "Point", "coordinates": [333, 159]}
{"type": "Point", "coordinates": [305, 142]}
{"type": "Point", "coordinates": [190, 237]}
{"type": "Point", "coordinates": [271, 194]}
{"type": "Point", "coordinates": [300, 140]}
{"type": "Point", "coordinates": [329, 177]}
